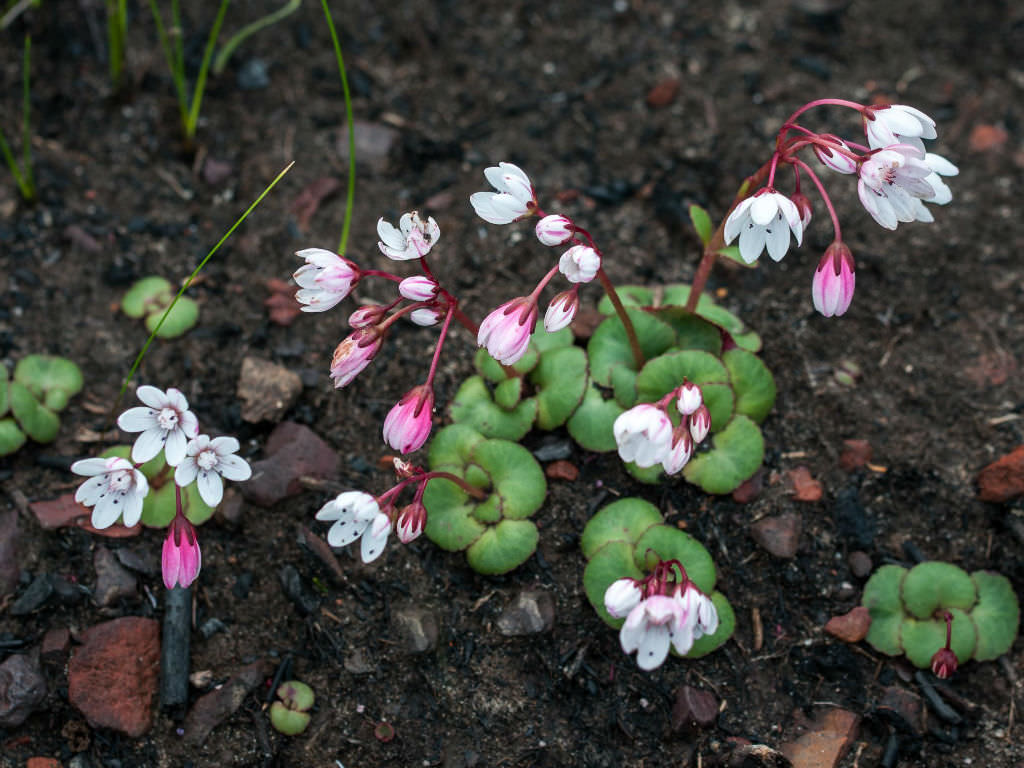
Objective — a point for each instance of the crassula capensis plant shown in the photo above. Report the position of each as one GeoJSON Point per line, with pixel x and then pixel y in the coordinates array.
{"type": "Point", "coordinates": [670, 379]}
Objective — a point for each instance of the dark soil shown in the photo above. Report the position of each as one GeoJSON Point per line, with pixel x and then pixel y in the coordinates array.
{"type": "Point", "coordinates": [560, 89]}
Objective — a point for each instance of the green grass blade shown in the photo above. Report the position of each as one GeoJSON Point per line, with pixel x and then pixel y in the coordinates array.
{"type": "Point", "coordinates": [350, 196]}
{"type": "Point", "coordinates": [250, 29]}
{"type": "Point", "coordinates": [170, 56]}
{"type": "Point", "coordinates": [26, 125]}
{"type": "Point", "coordinates": [204, 69]}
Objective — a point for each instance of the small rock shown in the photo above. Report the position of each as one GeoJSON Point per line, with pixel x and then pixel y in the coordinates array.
{"type": "Point", "coordinates": [10, 572]}
{"type": "Point", "coordinates": [122, 655]}
{"type": "Point", "coordinates": [82, 239]}
{"type": "Point", "coordinates": [987, 138]}
{"type": "Point", "coordinates": [217, 705]}
{"type": "Point", "coordinates": [851, 627]}
{"type": "Point", "coordinates": [113, 581]}
{"type": "Point", "coordinates": [55, 646]}
{"type": "Point", "coordinates": [553, 450]}
{"type": "Point", "coordinates": [778, 535]}
{"type": "Point", "coordinates": [22, 690]}
{"type": "Point", "coordinates": [216, 171]}
{"type": "Point", "coordinates": [211, 627]}
{"type": "Point", "coordinates": [823, 747]}
{"type": "Point", "coordinates": [358, 662]}
{"type": "Point", "coordinates": [1003, 479]}
{"type": "Point", "coordinates": [253, 75]}
{"type": "Point", "coordinates": [65, 511]}
{"type": "Point", "coordinates": [904, 706]}
{"type": "Point", "coordinates": [231, 507]}
{"type": "Point", "coordinates": [757, 756]}
{"type": "Point", "coordinates": [296, 591]}
{"type": "Point", "coordinates": [531, 613]}
{"type": "Point", "coordinates": [416, 627]}
{"type": "Point", "coordinates": [749, 489]}
{"type": "Point", "coordinates": [853, 526]}
{"type": "Point", "coordinates": [68, 592]}
{"type": "Point", "coordinates": [856, 453]}
{"type": "Point", "coordinates": [292, 451]}
{"type": "Point", "coordinates": [143, 560]}
{"type": "Point", "coordinates": [374, 142]}
{"type": "Point", "coordinates": [860, 563]}
{"type": "Point", "coordinates": [694, 709]}
{"type": "Point", "coordinates": [43, 762]}
{"type": "Point", "coordinates": [664, 93]}
{"type": "Point", "coordinates": [802, 485]}
{"type": "Point", "coordinates": [267, 389]}
{"type": "Point", "coordinates": [562, 470]}
{"type": "Point", "coordinates": [37, 593]}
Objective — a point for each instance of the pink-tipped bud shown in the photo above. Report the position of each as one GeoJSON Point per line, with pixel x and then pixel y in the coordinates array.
{"type": "Point", "coordinates": [834, 281]}
{"type": "Point", "coordinates": [561, 310]}
{"type": "Point", "coordinates": [365, 316]}
{"type": "Point", "coordinates": [354, 353]}
{"type": "Point", "coordinates": [803, 206]}
{"type": "Point", "coordinates": [833, 158]}
{"type": "Point", "coordinates": [700, 424]}
{"type": "Point", "coordinates": [621, 597]}
{"type": "Point", "coordinates": [689, 398]}
{"type": "Point", "coordinates": [681, 451]}
{"type": "Point", "coordinates": [181, 558]}
{"type": "Point", "coordinates": [411, 521]}
{"type": "Point", "coordinates": [408, 424]}
{"type": "Point", "coordinates": [426, 316]}
{"type": "Point", "coordinates": [579, 264]}
{"type": "Point", "coordinates": [555, 229]}
{"type": "Point", "coordinates": [506, 331]}
{"type": "Point", "coordinates": [418, 288]}
{"type": "Point", "coordinates": [944, 663]}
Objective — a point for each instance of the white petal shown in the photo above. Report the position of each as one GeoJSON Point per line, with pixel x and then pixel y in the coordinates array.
{"type": "Point", "coordinates": [106, 512]}
{"type": "Point", "coordinates": [777, 239]}
{"type": "Point", "coordinates": [174, 447]}
{"type": "Point", "coordinates": [495, 177]}
{"type": "Point", "coordinates": [137, 419]}
{"type": "Point", "coordinates": [653, 648]}
{"type": "Point", "coordinates": [344, 531]}
{"type": "Point", "coordinates": [752, 243]}
{"type": "Point", "coordinates": [132, 512]}
{"type": "Point", "coordinates": [185, 473]}
{"type": "Point", "coordinates": [89, 467]}
{"type": "Point", "coordinates": [234, 468]}
{"type": "Point", "coordinates": [943, 194]}
{"type": "Point", "coordinates": [764, 209]}
{"type": "Point", "coordinates": [682, 637]}
{"type": "Point", "coordinates": [89, 492]}
{"type": "Point", "coordinates": [148, 445]}
{"type": "Point", "coordinates": [151, 396]}
{"type": "Point", "coordinates": [737, 220]}
{"type": "Point", "coordinates": [792, 216]}
{"type": "Point", "coordinates": [375, 538]}
{"type": "Point", "coordinates": [189, 424]}
{"type": "Point", "coordinates": [222, 446]}
{"type": "Point", "coordinates": [211, 487]}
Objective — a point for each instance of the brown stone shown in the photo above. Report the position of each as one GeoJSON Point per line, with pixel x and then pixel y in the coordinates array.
{"type": "Point", "coordinates": [268, 390]}
{"type": "Point", "coordinates": [22, 689]}
{"type": "Point", "coordinates": [907, 704]}
{"type": "Point", "coordinates": [114, 582]}
{"type": "Point", "coordinates": [122, 655]}
{"type": "Point", "coordinates": [562, 470]}
{"type": "Point", "coordinates": [802, 485]}
{"type": "Point", "coordinates": [65, 511]}
{"type": "Point", "coordinates": [293, 451]}
{"type": "Point", "coordinates": [56, 645]}
{"type": "Point", "coordinates": [750, 488]}
{"type": "Point", "coordinates": [860, 563]}
{"type": "Point", "coordinates": [416, 628]}
{"type": "Point", "coordinates": [1003, 479]}
{"type": "Point", "coordinates": [856, 453]}
{"type": "Point", "coordinates": [832, 734]}
{"type": "Point", "coordinates": [778, 535]}
{"type": "Point", "coordinates": [664, 93]}
{"type": "Point", "coordinates": [218, 704]}
{"type": "Point", "coordinates": [42, 762]}
{"type": "Point", "coordinates": [532, 612]}
{"type": "Point", "coordinates": [851, 627]}
{"type": "Point", "coordinates": [694, 709]}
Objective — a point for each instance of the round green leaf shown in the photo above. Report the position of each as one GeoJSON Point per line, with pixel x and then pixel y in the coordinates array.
{"type": "Point", "coordinates": [11, 438]}
{"type": "Point", "coordinates": [649, 475]}
{"type": "Point", "coordinates": [503, 547]}
{"type": "Point", "coordinates": [591, 425]}
{"type": "Point", "coordinates": [609, 344]}
{"type": "Point", "coordinates": [692, 331]}
{"type": "Point", "coordinates": [735, 328]}
{"type": "Point", "coordinates": [624, 385]}
{"type": "Point", "coordinates": [666, 542]}
{"type": "Point", "coordinates": [543, 341]}
{"type": "Point", "coordinates": [494, 371]}
{"type": "Point", "coordinates": [622, 520]}
{"type": "Point", "coordinates": [561, 380]}
{"type": "Point", "coordinates": [922, 638]}
{"type": "Point", "coordinates": [473, 406]}
{"type": "Point", "coordinates": [150, 294]}
{"type": "Point", "coordinates": [882, 599]}
{"type": "Point", "coordinates": [611, 562]}
{"type": "Point", "coordinates": [51, 380]}
{"type": "Point", "coordinates": [38, 422]}
{"type": "Point", "coordinates": [996, 615]}
{"type": "Point", "coordinates": [630, 296]}
{"type": "Point", "coordinates": [452, 446]}
{"type": "Point", "coordinates": [450, 521]}
{"type": "Point", "coordinates": [159, 506]}
{"type": "Point", "coordinates": [752, 382]}
{"type": "Point", "coordinates": [182, 317]}
{"type": "Point", "coordinates": [702, 646]}
{"type": "Point", "coordinates": [735, 455]}
{"type": "Point", "coordinates": [5, 401]}
{"type": "Point", "coordinates": [508, 393]}
{"type": "Point", "coordinates": [930, 586]}
{"type": "Point", "coordinates": [516, 477]}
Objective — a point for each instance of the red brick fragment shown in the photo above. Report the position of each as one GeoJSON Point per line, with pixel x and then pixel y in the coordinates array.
{"type": "Point", "coordinates": [1003, 479]}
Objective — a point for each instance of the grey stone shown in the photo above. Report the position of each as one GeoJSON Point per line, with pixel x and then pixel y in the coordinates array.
{"type": "Point", "coordinates": [37, 593]}
{"type": "Point", "coordinates": [253, 75]}
{"type": "Point", "coordinates": [22, 690]}
{"type": "Point", "coordinates": [416, 628]}
{"type": "Point", "coordinates": [9, 571]}
{"type": "Point", "coordinates": [113, 581]}
{"type": "Point", "coordinates": [532, 612]}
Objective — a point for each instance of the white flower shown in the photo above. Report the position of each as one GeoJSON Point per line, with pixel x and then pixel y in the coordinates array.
{"type": "Point", "coordinates": [579, 264]}
{"type": "Point", "coordinates": [165, 423]}
{"type": "Point", "coordinates": [764, 221]}
{"type": "Point", "coordinates": [356, 514]}
{"type": "Point", "coordinates": [652, 626]}
{"type": "Point", "coordinates": [209, 461]}
{"type": "Point", "coordinates": [892, 184]}
{"type": "Point", "coordinates": [621, 597]}
{"type": "Point", "coordinates": [412, 240]}
{"type": "Point", "coordinates": [114, 489]}
{"type": "Point", "coordinates": [643, 434]}
{"type": "Point", "coordinates": [325, 279]}
{"type": "Point", "coordinates": [897, 124]}
{"type": "Point", "coordinates": [940, 166]}
{"type": "Point", "coordinates": [513, 200]}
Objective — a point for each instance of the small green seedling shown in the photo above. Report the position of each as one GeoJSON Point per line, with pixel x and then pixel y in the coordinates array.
{"type": "Point", "coordinates": [290, 715]}
{"type": "Point", "coordinates": [908, 612]}
{"type": "Point", "coordinates": [42, 387]}
{"type": "Point", "coordinates": [150, 297]}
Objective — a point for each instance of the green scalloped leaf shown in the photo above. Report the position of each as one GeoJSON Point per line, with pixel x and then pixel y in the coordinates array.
{"type": "Point", "coordinates": [692, 331]}
{"type": "Point", "coordinates": [630, 296]}
{"type": "Point", "coordinates": [37, 421]}
{"type": "Point", "coordinates": [182, 317]}
{"type": "Point", "coordinates": [702, 646]}
{"type": "Point", "coordinates": [622, 520]}
{"type": "Point", "coordinates": [649, 475]}
{"type": "Point", "coordinates": [452, 446]}
{"type": "Point", "coordinates": [996, 615]}
{"type": "Point", "coordinates": [11, 438]}
{"type": "Point", "coordinates": [503, 547]}
{"type": "Point", "coordinates": [543, 341]}
{"type": "Point", "coordinates": [591, 425]}
{"type": "Point", "coordinates": [148, 295]}
{"type": "Point", "coordinates": [731, 324]}
{"type": "Point", "coordinates": [508, 393]}
{"type": "Point", "coordinates": [494, 371]}
{"type": "Point", "coordinates": [158, 508]}
{"type": "Point", "coordinates": [882, 599]}
{"type": "Point", "coordinates": [450, 521]}
{"type": "Point", "coordinates": [664, 373]}
{"type": "Point", "coordinates": [610, 563]}
{"type": "Point", "coordinates": [736, 454]}
{"type": "Point", "coordinates": [609, 344]}
{"type": "Point", "coordinates": [51, 380]}
{"type": "Point", "coordinates": [5, 401]}
{"type": "Point", "coordinates": [666, 542]}
{"type": "Point", "coordinates": [561, 381]}
{"type": "Point", "coordinates": [930, 586]}
{"type": "Point", "coordinates": [624, 385]}
{"type": "Point", "coordinates": [515, 476]}
{"type": "Point", "coordinates": [474, 406]}
{"type": "Point", "coordinates": [752, 382]}
{"type": "Point", "coordinates": [701, 223]}
{"type": "Point", "coordinates": [921, 639]}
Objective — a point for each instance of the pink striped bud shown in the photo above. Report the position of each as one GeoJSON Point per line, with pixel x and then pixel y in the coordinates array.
{"type": "Point", "coordinates": [364, 317]}
{"type": "Point", "coordinates": [579, 264]}
{"type": "Point", "coordinates": [700, 424]}
{"type": "Point", "coordinates": [506, 331]}
{"type": "Point", "coordinates": [803, 206]}
{"type": "Point", "coordinates": [412, 519]}
{"type": "Point", "coordinates": [561, 310]}
{"type": "Point", "coordinates": [554, 229]}
{"type": "Point", "coordinates": [408, 424]}
{"type": "Point", "coordinates": [354, 353]}
{"type": "Point", "coordinates": [833, 158]}
{"type": "Point", "coordinates": [181, 558]}
{"type": "Point", "coordinates": [834, 281]}
{"type": "Point", "coordinates": [681, 451]}
{"type": "Point", "coordinates": [418, 288]}
{"type": "Point", "coordinates": [689, 398]}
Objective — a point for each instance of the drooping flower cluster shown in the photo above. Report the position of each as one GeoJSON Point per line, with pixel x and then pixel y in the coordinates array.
{"type": "Point", "coordinates": [895, 178]}
{"type": "Point", "coordinates": [664, 610]}
{"type": "Point", "coordinates": [645, 435]}
{"type": "Point", "coordinates": [116, 489]}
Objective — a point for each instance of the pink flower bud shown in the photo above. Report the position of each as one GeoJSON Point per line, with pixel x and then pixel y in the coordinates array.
{"type": "Point", "coordinates": [554, 229]}
{"type": "Point", "coordinates": [418, 288]}
{"type": "Point", "coordinates": [579, 264]}
{"type": "Point", "coordinates": [181, 558]}
{"type": "Point", "coordinates": [325, 279]}
{"type": "Point", "coordinates": [354, 353]}
{"type": "Point", "coordinates": [426, 316]}
{"type": "Point", "coordinates": [834, 281]}
{"type": "Point", "coordinates": [408, 424]}
{"type": "Point", "coordinates": [411, 522]}
{"type": "Point", "coordinates": [944, 663]}
{"type": "Point", "coordinates": [621, 597]}
{"type": "Point", "coordinates": [366, 316]}
{"type": "Point", "coordinates": [681, 451]}
{"type": "Point", "coordinates": [689, 398]}
{"type": "Point", "coordinates": [833, 158]}
{"type": "Point", "coordinates": [506, 331]}
{"type": "Point", "coordinates": [700, 424]}
{"type": "Point", "coordinates": [561, 310]}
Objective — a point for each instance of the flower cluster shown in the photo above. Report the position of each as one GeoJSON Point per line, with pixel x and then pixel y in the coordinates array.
{"type": "Point", "coordinates": [645, 435]}
{"type": "Point", "coordinates": [895, 178]}
{"type": "Point", "coordinates": [116, 489]}
{"type": "Point", "coordinates": [663, 610]}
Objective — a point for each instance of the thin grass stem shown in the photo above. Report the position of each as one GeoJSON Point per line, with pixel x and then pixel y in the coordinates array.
{"type": "Point", "coordinates": [350, 196]}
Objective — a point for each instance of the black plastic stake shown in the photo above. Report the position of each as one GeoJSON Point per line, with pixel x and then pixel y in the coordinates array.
{"type": "Point", "coordinates": [174, 650]}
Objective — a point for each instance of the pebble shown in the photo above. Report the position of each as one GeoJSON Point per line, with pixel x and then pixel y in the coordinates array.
{"type": "Point", "coordinates": [37, 593]}
{"type": "Point", "coordinates": [694, 709]}
{"type": "Point", "coordinates": [856, 453]}
{"type": "Point", "coordinates": [219, 704]}
{"type": "Point", "coordinates": [292, 451]}
{"type": "Point", "coordinates": [113, 581]}
{"type": "Point", "coordinates": [416, 628]}
{"type": "Point", "coordinates": [803, 486]}
{"type": "Point", "coordinates": [902, 708]}
{"type": "Point", "coordinates": [142, 559]}
{"type": "Point", "coordinates": [553, 450]}
{"type": "Point", "coordinates": [268, 390]}
{"type": "Point", "coordinates": [831, 736]}
{"type": "Point", "coordinates": [216, 171]}
{"type": "Point", "coordinates": [55, 645]}
{"type": "Point", "coordinates": [853, 526]}
{"type": "Point", "coordinates": [860, 563]}
{"type": "Point", "coordinates": [9, 536]}
{"type": "Point", "coordinates": [780, 536]}
{"type": "Point", "coordinates": [851, 627]}
{"type": "Point", "coordinates": [22, 690]}
{"type": "Point", "coordinates": [1003, 479]}
{"type": "Point", "coordinates": [562, 470]}
{"type": "Point", "coordinates": [211, 627]}
{"type": "Point", "coordinates": [532, 612]}
{"type": "Point", "coordinates": [374, 142]}
{"type": "Point", "coordinates": [253, 75]}
{"type": "Point", "coordinates": [358, 662]}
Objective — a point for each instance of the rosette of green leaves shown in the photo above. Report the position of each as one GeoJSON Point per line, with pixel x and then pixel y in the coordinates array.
{"type": "Point", "coordinates": [150, 297]}
{"type": "Point", "coordinates": [495, 532]}
{"type": "Point", "coordinates": [626, 539]}
{"type": "Point", "coordinates": [710, 347]}
{"type": "Point", "coordinates": [908, 609]}
{"type": "Point", "coordinates": [544, 388]}
{"type": "Point", "coordinates": [41, 388]}
{"type": "Point", "coordinates": [160, 504]}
